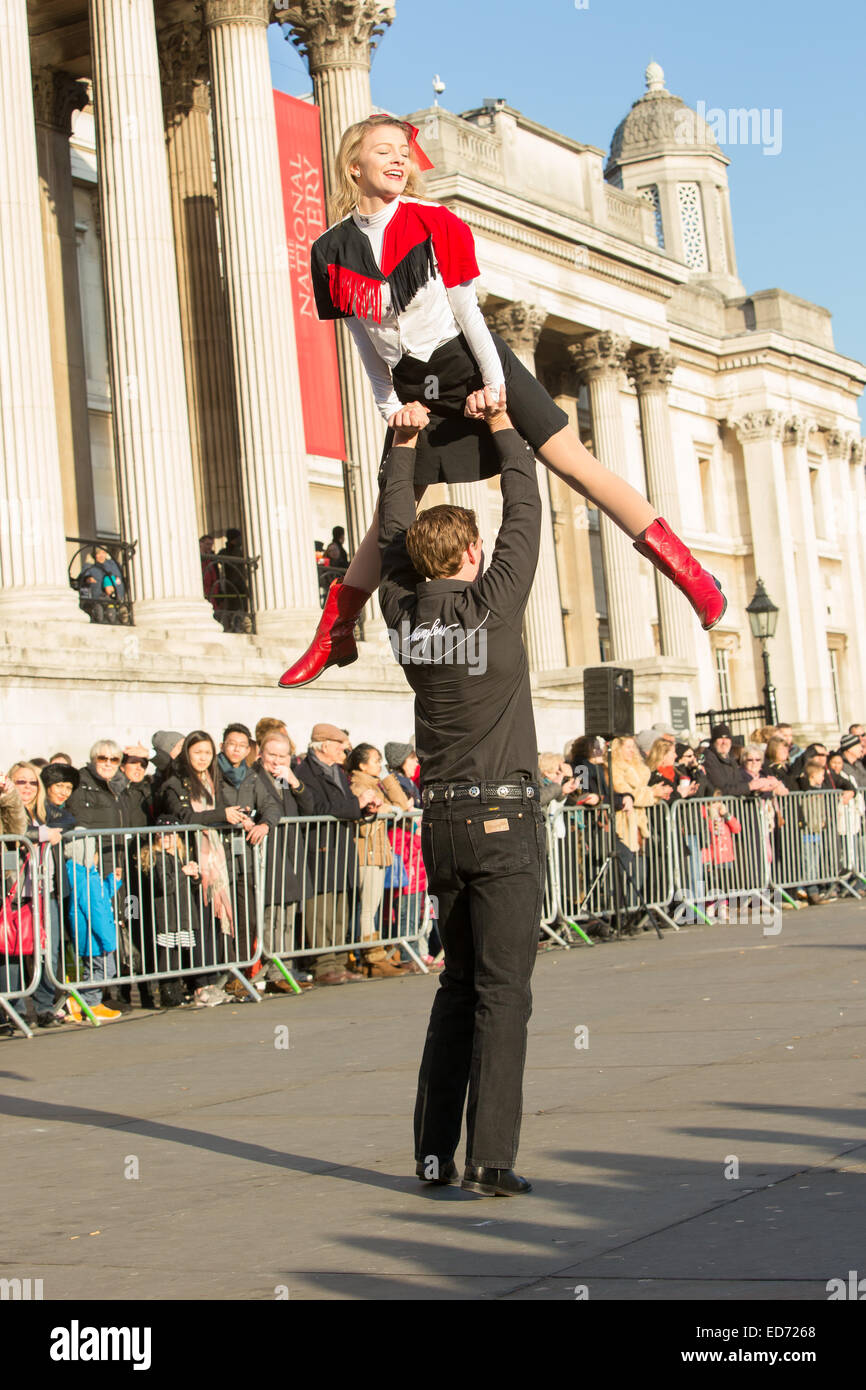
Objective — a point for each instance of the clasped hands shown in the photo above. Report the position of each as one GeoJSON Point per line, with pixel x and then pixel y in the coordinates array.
{"type": "Point", "coordinates": [411, 418]}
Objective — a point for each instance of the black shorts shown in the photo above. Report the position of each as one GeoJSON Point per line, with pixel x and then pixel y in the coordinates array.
{"type": "Point", "coordinates": [453, 448]}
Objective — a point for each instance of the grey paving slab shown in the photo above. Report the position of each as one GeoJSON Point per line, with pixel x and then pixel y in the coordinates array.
{"type": "Point", "coordinates": [263, 1168]}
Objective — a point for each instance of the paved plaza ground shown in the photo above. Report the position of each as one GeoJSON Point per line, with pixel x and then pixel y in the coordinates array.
{"type": "Point", "coordinates": [709, 1142]}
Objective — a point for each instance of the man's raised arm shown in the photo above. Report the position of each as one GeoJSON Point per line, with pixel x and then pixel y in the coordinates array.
{"type": "Point", "coordinates": [504, 586]}
{"type": "Point", "coordinates": [399, 579]}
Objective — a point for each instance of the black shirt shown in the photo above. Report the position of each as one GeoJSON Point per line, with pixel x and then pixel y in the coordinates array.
{"type": "Point", "coordinates": [460, 643]}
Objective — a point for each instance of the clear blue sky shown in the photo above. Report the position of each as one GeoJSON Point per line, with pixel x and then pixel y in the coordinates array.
{"type": "Point", "coordinates": [799, 215]}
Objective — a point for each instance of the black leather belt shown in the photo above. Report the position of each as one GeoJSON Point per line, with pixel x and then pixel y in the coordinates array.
{"type": "Point", "coordinates": [479, 791]}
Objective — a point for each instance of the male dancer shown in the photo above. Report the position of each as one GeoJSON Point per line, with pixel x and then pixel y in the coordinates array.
{"type": "Point", "coordinates": [458, 634]}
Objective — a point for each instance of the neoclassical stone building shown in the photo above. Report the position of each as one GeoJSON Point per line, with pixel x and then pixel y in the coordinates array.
{"type": "Point", "coordinates": [149, 387]}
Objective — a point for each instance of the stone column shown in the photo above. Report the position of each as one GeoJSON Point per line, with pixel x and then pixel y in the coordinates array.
{"type": "Point", "coordinates": [570, 516]}
{"type": "Point", "coordinates": [813, 607]}
{"type": "Point", "coordinates": [336, 37]}
{"type": "Point", "coordinates": [520, 324]}
{"type": "Point", "coordinates": [845, 455]}
{"type": "Point", "coordinates": [56, 95]}
{"type": "Point", "coordinates": [477, 497]}
{"type": "Point", "coordinates": [760, 435]}
{"type": "Point", "coordinates": [203, 314]}
{"type": "Point", "coordinates": [33, 583]}
{"type": "Point", "coordinates": [149, 412]}
{"type": "Point", "coordinates": [278, 520]}
{"type": "Point", "coordinates": [599, 359]}
{"type": "Point", "coordinates": [651, 370]}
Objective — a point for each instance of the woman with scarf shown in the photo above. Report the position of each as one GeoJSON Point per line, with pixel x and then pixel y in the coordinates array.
{"type": "Point", "coordinates": [192, 794]}
{"type": "Point", "coordinates": [43, 837]}
{"type": "Point", "coordinates": [375, 854]}
{"type": "Point", "coordinates": [401, 271]}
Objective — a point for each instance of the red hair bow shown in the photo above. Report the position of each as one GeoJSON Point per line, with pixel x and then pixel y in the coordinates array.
{"type": "Point", "coordinates": [420, 157]}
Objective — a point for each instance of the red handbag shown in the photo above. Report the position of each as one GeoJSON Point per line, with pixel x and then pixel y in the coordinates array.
{"type": "Point", "coordinates": [16, 923]}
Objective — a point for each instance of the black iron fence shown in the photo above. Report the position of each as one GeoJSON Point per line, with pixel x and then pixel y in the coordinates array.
{"type": "Point", "coordinates": [99, 572]}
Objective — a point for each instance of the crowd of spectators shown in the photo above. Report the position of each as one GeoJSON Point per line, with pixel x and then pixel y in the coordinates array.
{"type": "Point", "coordinates": [721, 773]}
{"type": "Point", "coordinates": [363, 866]}
{"type": "Point", "coordinates": [360, 876]}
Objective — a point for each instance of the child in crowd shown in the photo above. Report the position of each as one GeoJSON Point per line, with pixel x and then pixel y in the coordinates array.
{"type": "Point", "coordinates": [812, 813]}
{"type": "Point", "coordinates": [168, 891]}
{"type": "Point", "coordinates": [90, 914]}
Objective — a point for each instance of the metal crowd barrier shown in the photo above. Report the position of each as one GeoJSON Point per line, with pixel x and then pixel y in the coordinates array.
{"type": "Point", "coordinates": [360, 904]}
{"type": "Point", "coordinates": [154, 903]}
{"type": "Point", "coordinates": [23, 919]}
{"type": "Point", "coordinates": [157, 904]}
{"type": "Point", "coordinates": [583, 869]}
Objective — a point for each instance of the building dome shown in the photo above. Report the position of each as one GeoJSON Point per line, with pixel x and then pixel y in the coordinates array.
{"type": "Point", "coordinates": [659, 123]}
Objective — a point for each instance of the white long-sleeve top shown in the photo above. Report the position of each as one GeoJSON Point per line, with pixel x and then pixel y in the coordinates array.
{"type": "Point", "coordinates": [435, 315]}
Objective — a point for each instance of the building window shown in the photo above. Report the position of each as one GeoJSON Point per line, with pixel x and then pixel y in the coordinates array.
{"type": "Point", "coordinates": [818, 501]}
{"type": "Point", "coordinates": [834, 681]}
{"type": "Point", "coordinates": [692, 225]}
{"type": "Point", "coordinates": [707, 499]}
{"type": "Point", "coordinates": [651, 196]}
{"type": "Point", "coordinates": [723, 673]}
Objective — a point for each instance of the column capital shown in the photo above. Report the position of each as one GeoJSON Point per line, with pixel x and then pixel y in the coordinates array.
{"type": "Point", "coordinates": [797, 430]}
{"type": "Point", "coordinates": [600, 355]}
{"type": "Point", "coordinates": [651, 369]}
{"type": "Point", "coordinates": [183, 69]}
{"type": "Point", "coordinates": [858, 450]}
{"type": "Point", "coordinates": [336, 33]}
{"type": "Point", "coordinates": [519, 323]}
{"type": "Point", "coordinates": [236, 12]}
{"type": "Point", "coordinates": [842, 444]}
{"type": "Point", "coordinates": [56, 94]}
{"type": "Point", "coordinates": [758, 424]}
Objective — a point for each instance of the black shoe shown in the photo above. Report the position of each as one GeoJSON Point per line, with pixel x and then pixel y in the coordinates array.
{"type": "Point", "coordinates": [48, 1020]}
{"type": "Point", "coordinates": [447, 1173]}
{"type": "Point", "coordinates": [493, 1182]}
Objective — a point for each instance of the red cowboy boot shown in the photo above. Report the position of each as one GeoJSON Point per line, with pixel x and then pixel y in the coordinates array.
{"type": "Point", "coordinates": [334, 642]}
{"type": "Point", "coordinates": [676, 562]}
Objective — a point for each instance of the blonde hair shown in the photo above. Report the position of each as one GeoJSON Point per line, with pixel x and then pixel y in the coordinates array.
{"type": "Point", "coordinates": [549, 764]}
{"type": "Point", "coordinates": [40, 790]}
{"type": "Point", "coordinates": [658, 752]}
{"type": "Point", "coordinates": [345, 195]}
{"type": "Point", "coordinates": [155, 848]}
{"type": "Point", "coordinates": [269, 725]}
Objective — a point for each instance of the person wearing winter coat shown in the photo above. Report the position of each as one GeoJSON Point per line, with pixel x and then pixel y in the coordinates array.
{"type": "Point", "coordinates": [91, 921]}
{"type": "Point", "coordinates": [631, 778]}
{"type": "Point", "coordinates": [13, 817]}
{"type": "Point", "coordinates": [59, 781]}
{"type": "Point", "coordinates": [402, 761]}
{"type": "Point", "coordinates": [101, 802]}
{"type": "Point", "coordinates": [193, 794]}
{"type": "Point", "coordinates": [331, 854]}
{"type": "Point", "coordinates": [722, 771]}
{"type": "Point", "coordinates": [375, 853]}
{"type": "Point", "coordinates": [170, 889]}
{"type": "Point", "coordinates": [287, 875]}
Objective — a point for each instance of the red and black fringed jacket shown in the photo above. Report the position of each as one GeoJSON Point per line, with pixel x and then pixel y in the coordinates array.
{"type": "Point", "coordinates": [347, 280]}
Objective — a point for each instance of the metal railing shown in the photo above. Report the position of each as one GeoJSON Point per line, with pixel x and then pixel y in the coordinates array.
{"type": "Point", "coordinates": [103, 587]}
{"type": "Point", "coordinates": [196, 903]}
{"type": "Point", "coordinates": [232, 595]}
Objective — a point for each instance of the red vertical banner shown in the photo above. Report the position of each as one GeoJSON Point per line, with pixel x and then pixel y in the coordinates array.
{"type": "Point", "coordinates": [300, 148]}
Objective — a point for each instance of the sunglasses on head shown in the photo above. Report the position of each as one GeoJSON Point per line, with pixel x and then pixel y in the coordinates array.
{"type": "Point", "coordinates": [139, 762]}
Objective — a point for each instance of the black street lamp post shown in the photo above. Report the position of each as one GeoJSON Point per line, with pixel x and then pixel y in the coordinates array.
{"type": "Point", "coordinates": [763, 615]}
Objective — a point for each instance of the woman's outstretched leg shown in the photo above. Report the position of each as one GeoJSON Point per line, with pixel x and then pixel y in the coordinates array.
{"type": "Point", "coordinates": [651, 535]}
{"type": "Point", "coordinates": [334, 642]}
{"type": "Point", "coordinates": [365, 566]}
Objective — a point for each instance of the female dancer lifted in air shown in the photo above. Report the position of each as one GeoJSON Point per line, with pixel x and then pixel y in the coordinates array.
{"type": "Point", "coordinates": [401, 273]}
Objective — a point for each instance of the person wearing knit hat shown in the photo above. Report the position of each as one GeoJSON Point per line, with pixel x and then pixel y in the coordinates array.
{"type": "Point", "coordinates": [402, 760]}
{"type": "Point", "coordinates": [59, 781]}
{"type": "Point", "coordinates": [720, 731]}
{"type": "Point", "coordinates": [855, 764]}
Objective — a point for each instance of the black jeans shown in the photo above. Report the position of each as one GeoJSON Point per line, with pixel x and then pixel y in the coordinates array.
{"type": "Point", "coordinates": [485, 866]}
